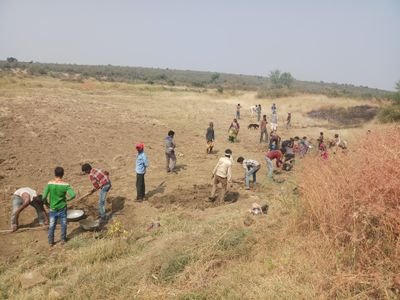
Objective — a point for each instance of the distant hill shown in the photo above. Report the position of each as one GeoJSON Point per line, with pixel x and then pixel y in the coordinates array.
{"type": "Point", "coordinates": [200, 79]}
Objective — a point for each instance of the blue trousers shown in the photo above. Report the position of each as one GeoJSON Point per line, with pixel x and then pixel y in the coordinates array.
{"type": "Point", "coordinates": [270, 166]}
{"type": "Point", "coordinates": [102, 200]}
{"type": "Point", "coordinates": [250, 173]}
{"type": "Point", "coordinates": [54, 215]}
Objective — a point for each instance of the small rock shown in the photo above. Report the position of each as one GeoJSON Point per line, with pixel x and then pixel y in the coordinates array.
{"type": "Point", "coordinates": [396, 282]}
{"type": "Point", "coordinates": [248, 221]}
{"type": "Point", "coordinates": [118, 158]}
{"type": "Point", "coordinates": [57, 292]}
{"type": "Point", "coordinates": [31, 279]}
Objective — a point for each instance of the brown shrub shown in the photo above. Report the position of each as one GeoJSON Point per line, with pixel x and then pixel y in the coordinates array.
{"type": "Point", "coordinates": [353, 199]}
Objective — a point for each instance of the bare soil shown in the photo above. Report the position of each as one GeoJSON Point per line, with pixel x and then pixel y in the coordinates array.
{"type": "Point", "coordinates": [46, 123]}
{"type": "Point", "coordinates": [350, 116]}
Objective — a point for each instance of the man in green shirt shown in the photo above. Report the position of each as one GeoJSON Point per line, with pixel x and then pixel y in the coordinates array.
{"type": "Point", "coordinates": [57, 191]}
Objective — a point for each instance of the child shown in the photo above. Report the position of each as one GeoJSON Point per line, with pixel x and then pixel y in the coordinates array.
{"type": "Point", "coordinates": [320, 139]}
{"type": "Point", "coordinates": [141, 167]}
{"type": "Point", "coordinates": [57, 191]}
{"type": "Point", "coordinates": [238, 107]}
{"type": "Point", "coordinates": [274, 141]}
{"type": "Point", "coordinates": [323, 151]}
{"type": "Point", "coordinates": [258, 110]}
{"type": "Point", "coordinates": [304, 146]}
{"type": "Point", "coordinates": [210, 137]}
{"type": "Point", "coordinates": [273, 108]}
{"type": "Point", "coordinates": [170, 151]}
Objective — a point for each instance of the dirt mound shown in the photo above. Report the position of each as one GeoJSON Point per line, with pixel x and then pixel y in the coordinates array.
{"type": "Point", "coordinates": [351, 116]}
{"type": "Point", "coordinates": [194, 198]}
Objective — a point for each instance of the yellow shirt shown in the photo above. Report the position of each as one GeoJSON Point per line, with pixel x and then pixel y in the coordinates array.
{"type": "Point", "coordinates": [223, 168]}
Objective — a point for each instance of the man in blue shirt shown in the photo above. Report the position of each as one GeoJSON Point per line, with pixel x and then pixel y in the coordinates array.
{"type": "Point", "coordinates": [141, 166]}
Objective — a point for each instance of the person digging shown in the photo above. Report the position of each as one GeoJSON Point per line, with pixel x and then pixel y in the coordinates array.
{"type": "Point", "coordinates": [21, 199]}
{"type": "Point", "coordinates": [101, 181]}
{"type": "Point", "coordinates": [222, 174]}
{"type": "Point", "coordinates": [251, 168]}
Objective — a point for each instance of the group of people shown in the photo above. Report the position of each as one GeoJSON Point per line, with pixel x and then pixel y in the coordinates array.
{"type": "Point", "coordinates": [58, 192]}
{"type": "Point", "coordinates": [336, 143]}
{"type": "Point", "coordinates": [282, 152]}
{"type": "Point", "coordinates": [234, 127]}
{"type": "Point", "coordinates": [55, 196]}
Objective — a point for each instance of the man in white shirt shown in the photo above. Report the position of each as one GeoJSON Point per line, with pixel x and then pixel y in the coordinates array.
{"type": "Point", "coordinates": [21, 199]}
{"type": "Point", "coordinates": [251, 166]}
{"type": "Point", "coordinates": [222, 173]}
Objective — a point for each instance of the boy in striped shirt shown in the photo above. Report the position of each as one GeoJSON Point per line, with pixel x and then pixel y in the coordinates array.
{"type": "Point", "coordinates": [57, 191]}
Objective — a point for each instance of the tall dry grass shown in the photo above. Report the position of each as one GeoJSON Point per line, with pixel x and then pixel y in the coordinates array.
{"type": "Point", "coordinates": [353, 200]}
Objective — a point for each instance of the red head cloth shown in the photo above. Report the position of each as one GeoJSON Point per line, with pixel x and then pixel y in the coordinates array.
{"type": "Point", "coordinates": [139, 146]}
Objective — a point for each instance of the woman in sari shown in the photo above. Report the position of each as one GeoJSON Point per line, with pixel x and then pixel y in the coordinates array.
{"type": "Point", "coordinates": [233, 131]}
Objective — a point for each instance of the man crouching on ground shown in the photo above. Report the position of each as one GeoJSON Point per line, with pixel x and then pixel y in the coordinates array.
{"type": "Point", "coordinates": [222, 173]}
{"type": "Point", "coordinates": [21, 199]}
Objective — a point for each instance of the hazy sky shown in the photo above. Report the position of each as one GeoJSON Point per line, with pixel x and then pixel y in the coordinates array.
{"type": "Point", "coordinates": [344, 41]}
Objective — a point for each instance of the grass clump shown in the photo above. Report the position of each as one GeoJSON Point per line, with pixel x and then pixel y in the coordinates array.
{"type": "Point", "coordinates": [232, 239]}
{"type": "Point", "coordinates": [103, 250]}
{"type": "Point", "coordinates": [174, 266]}
{"type": "Point", "coordinates": [76, 242]}
{"type": "Point", "coordinates": [390, 114]}
{"type": "Point", "coordinates": [55, 271]}
{"type": "Point", "coordinates": [193, 296]}
{"type": "Point", "coordinates": [116, 229]}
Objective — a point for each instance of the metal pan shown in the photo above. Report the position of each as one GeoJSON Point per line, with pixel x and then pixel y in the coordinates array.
{"type": "Point", "coordinates": [89, 224]}
{"type": "Point", "coordinates": [75, 214]}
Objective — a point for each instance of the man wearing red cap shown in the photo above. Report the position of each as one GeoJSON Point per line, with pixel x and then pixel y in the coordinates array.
{"type": "Point", "coordinates": [141, 165]}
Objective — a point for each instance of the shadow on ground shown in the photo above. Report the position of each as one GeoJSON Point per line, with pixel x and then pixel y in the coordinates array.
{"type": "Point", "coordinates": [158, 190]}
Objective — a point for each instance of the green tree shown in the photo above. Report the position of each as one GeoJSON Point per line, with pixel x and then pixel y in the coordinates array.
{"type": "Point", "coordinates": [274, 77]}
{"type": "Point", "coordinates": [398, 86]}
{"type": "Point", "coordinates": [280, 80]}
{"type": "Point", "coordinates": [286, 79]}
{"type": "Point", "coordinates": [12, 60]}
{"type": "Point", "coordinates": [214, 77]}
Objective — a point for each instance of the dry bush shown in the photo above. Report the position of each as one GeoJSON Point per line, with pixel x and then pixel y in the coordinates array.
{"type": "Point", "coordinates": [353, 199]}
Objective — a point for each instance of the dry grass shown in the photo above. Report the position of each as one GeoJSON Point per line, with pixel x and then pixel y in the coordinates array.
{"type": "Point", "coordinates": [195, 254]}
{"type": "Point", "coordinates": [353, 200]}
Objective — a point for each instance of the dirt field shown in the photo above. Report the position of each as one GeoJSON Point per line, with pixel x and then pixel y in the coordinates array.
{"type": "Point", "coordinates": [46, 123]}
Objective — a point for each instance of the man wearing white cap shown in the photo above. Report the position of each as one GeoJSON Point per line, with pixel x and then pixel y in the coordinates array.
{"type": "Point", "coordinates": [222, 173]}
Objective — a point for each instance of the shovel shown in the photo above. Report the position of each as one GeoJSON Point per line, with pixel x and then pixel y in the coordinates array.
{"type": "Point", "coordinates": [84, 196]}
